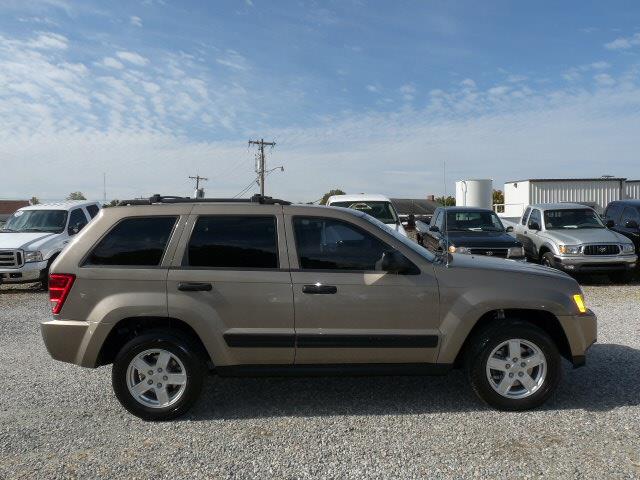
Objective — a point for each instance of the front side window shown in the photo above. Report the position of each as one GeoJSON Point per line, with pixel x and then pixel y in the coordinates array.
{"type": "Point", "coordinates": [330, 244]}
{"type": "Point", "coordinates": [226, 241]}
{"type": "Point", "coordinates": [473, 221]}
{"type": "Point", "coordinates": [525, 215]}
{"type": "Point", "coordinates": [535, 218]}
{"type": "Point", "coordinates": [77, 221]}
{"type": "Point", "coordinates": [138, 241]}
{"type": "Point", "coordinates": [382, 211]}
{"type": "Point", "coordinates": [573, 218]}
{"type": "Point", "coordinates": [630, 214]}
{"type": "Point", "coordinates": [613, 212]}
{"type": "Point", "coordinates": [49, 221]}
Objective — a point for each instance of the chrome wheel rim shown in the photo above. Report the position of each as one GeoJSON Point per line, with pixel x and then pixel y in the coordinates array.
{"type": "Point", "coordinates": [516, 368]}
{"type": "Point", "coordinates": [156, 378]}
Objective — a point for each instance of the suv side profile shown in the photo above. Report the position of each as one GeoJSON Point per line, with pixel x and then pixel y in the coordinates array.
{"type": "Point", "coordinates": [168, 288]}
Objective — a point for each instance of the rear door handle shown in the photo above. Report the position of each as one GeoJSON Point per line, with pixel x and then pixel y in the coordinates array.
{"type": "Point", "coordinates": [194, 287]}
{"type": "Point", "coordinates": [320, 289]}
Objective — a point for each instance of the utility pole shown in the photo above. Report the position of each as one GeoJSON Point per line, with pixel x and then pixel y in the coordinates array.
{"type": "Point", "coordinates": [104, 187]}
{"type": "Point", "coordinates": [199, 192]}
{"type": "Point", "coordinates": [260, 170]}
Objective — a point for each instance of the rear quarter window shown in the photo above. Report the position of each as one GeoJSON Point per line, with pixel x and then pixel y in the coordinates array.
{"type": "Point", "coordinates": [139, 241]}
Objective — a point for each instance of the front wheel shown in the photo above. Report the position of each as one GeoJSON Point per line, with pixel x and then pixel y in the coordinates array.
{"type": "Point", "coordinates": [513, 366]}
{"type": "Point", "coordinates": [547, 260]}
{"type": "Point", "coordinates": [158, 375]}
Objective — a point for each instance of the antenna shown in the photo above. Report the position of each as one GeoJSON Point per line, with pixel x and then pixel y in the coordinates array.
{"type": "Point", "coordinates": [446, 214]}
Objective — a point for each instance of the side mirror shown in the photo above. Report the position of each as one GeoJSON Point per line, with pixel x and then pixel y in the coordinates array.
{"type": "Point", "coordinates": [534, 226]}
{"type": "Point", "coordinates": [433, 228]}
{"type": "Point", "coordinates": [509, 229]}
{"type": "Point", "coordinates": [610, 224]}
{"type": "Point", "coordinates": [394, 262]}
{"type": "Point", "coordinates": [631, 224]}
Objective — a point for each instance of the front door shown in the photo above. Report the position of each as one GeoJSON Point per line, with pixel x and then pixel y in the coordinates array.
{"type": "Point", "coordinates": [233, 282]}
{"type": "Point", "coordinates": [347, 309]}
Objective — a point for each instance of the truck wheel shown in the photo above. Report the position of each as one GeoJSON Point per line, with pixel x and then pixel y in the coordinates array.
{"type": "Point", "coordinates": [547, 260]}
{"type": "Point", "coordinates": [158, 375]}
{"type": "Point", "coordinates": [513, 365]}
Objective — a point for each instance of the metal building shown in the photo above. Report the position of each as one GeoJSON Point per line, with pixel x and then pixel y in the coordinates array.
{"type": "Point", "coordinates": [595, 192]}
{"type": "Point", "coordinates": [633, 189]}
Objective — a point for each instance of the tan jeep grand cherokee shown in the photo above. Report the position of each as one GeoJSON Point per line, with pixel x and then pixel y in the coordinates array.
{"type": "Point", "coordinates": [166, 288]}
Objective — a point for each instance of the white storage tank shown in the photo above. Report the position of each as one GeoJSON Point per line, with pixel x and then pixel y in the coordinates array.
{"type": "Point", "coordinates": [474, 193]}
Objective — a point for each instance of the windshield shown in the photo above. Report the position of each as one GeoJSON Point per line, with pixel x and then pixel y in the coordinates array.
{"type": "Point", "coordinates": [382, 211]}
{"type": "Point", "coordinates": [420, 250]}
{"type": "Point", "coordinates": [473, 222]}
{"type": "Point", "coordinates": [52, 221]}
{"type": "Point", "coordinates": [572, 219]}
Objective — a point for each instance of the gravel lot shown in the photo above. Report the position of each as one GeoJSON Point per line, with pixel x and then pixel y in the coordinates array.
{"type": "Point", "coordinates": [61, 421]}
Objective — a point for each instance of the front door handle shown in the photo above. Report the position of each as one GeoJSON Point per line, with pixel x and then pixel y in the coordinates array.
{"type": "Point", "coordinates": [194, 287]}
{"type": "Point", "coordinates": [320, 289]}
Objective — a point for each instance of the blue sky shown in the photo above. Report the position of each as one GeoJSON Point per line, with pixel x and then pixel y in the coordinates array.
{"type": "Point", "coordinates": [365, 96]}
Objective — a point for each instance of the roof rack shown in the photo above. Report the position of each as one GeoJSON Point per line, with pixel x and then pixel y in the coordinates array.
{"type": "Point", "coordinates": [157, 198]}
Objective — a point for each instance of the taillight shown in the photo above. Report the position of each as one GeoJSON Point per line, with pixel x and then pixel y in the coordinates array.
{"type": "Point", "coordinates": [59, 286]}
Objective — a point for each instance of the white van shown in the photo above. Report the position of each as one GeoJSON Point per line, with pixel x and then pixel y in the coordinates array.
{"type": "Point", "coordinates": [378, 206]}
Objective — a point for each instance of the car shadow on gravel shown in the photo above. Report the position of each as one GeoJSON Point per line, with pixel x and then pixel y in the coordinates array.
{"type": "Point", "coordinates": [608, 381]}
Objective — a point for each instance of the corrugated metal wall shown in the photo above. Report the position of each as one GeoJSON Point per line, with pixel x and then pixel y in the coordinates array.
{"type": "Point", "coordinates": [633, 189]}
{"type": "Point", "coordinates": [599, 191]}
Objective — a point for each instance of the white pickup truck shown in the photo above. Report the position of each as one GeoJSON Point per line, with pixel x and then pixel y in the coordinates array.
{"type": "Point", "coordinates": [34, 236]}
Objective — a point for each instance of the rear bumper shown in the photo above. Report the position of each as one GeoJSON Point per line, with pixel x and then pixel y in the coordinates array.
{"type": "Point", "coordinates": [582, 332]}
{"type": "Point", "coordinates": [28, 273]}
{"type": "Point", "coordinates": [594, 264]}
{"type": "Point", "coordinates": [72, 341]}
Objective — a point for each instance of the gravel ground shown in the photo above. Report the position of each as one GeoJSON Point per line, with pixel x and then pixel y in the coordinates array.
{"type": "Point", "coordinates": [62, 421]}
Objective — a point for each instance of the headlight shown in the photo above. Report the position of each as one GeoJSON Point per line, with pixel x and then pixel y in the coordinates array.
{"type": "Point", "coordinates": [515, 252]}
{"type": "Point", "coordinates": [569, 249]}
{"type": "Point", "coordinates": [627, 248]}
{"type": "Point", "coordinates": [33, 256]}
{"type": "Point", "coordinates": [579, 301]}
{"type": "Point", "coordinates": [454, 249]}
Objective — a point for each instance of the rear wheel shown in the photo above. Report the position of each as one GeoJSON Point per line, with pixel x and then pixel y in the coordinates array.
{"type": "Point", "coordinates": [158, 375]}
{"type": "Point", "coordinates": [513, 366]}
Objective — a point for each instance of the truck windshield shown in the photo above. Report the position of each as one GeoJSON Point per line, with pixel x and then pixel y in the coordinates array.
{"type": "Point", "coordinates": [571, 219]}
{"type": "Point", "coordinates": [471, 221]}
{"type": "Point", "coordinates": [382, 211]}
{"type": "Point", "coordinates": [52, 221]}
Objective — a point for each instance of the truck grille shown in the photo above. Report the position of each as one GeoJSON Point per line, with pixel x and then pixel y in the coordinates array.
{"type": "Point", "coordinates": [11, 259]}
{"type": "Point", "coordinates": [490, 252]}
{"type": "Point", "coordinates": [601, 249]}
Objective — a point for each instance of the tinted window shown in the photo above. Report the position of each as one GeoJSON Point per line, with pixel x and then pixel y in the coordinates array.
{"type": "Point", "coordinates": [572, 219]}
{"type": "Point", "coordinates": [630, 213]}
{"type": "Point", "coordinates": [77, 221]}
{"type": "Point", "coordinates": [473, 221]}
{"type": "Point", "coordinates": [535, 217]}
{"type": "Point", "coordinates": [328, 244]}
{"type": "Point", "coordinates": [234, 242]}
{"type": "Point", "coordinates": [613, 212]}
{"type": "Point", "coordinates": [93, 210]}
{"type": "Point", "coordinates": [134, 241]}
{"type": "Point", "coordinates": [525, 215]}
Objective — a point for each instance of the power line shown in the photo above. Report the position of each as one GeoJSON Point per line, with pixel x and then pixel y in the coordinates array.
{"type": "Point", "coordinates": [197, 178]}
{"type": "Point", "coordinates": [261, 167]}
{"type": "Point", "coordinates": [246, 189]}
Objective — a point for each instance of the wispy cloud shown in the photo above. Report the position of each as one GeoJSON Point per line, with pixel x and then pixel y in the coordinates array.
{"type": "Point", "coordinates": [135, 21]}
{"type": "Point", "coordinates": [234, 60]}
{"type": "Point", "coordinates": [623, 43]}
{"type": "Point", "coordinates": [134, 58]}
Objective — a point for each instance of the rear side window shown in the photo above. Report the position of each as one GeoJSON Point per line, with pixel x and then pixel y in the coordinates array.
{"type": "Point", "coordinates": [139, 241]}
{"type": "Point", "coordinates": [525, 215]}
{"type": "Point", "coordinates": [226, 241]}
{"type": "Point", "coordinates": [93, 210]}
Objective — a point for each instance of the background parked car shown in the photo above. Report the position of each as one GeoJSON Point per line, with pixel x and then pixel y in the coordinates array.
{"type": "Point", "coordinates": [476, 231]}
{"type": "Point", "coordinates": [623, 216]}
{"type": "Point", "coordinates": [378, 206]}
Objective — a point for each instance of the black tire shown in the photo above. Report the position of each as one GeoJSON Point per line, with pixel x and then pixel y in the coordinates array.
{"type": "Point", "coordinates": [547, 260]}
{"type": "Point", "coordinates": [490, 338]}
{"type": "Point", "coordinates": [621, 277]}
{"type": "Point", "coordinates": [178, 345]}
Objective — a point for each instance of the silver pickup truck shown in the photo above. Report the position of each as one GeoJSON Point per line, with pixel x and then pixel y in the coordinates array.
{"type": "Point", "coordinates": [571, 237]}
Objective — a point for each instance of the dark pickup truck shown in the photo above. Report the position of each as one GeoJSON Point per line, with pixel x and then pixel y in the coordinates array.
{"type": "Point", "coordinates": [475, 231]}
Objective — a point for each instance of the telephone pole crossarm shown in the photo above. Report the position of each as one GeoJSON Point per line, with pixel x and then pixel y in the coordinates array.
{"type": "Point", "coordinates": [262, 167]}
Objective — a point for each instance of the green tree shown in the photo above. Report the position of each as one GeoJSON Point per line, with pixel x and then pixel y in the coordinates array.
{"type": "Point", "coordinates": [446, 202]}
{"type": "Point", "coordinates": [34, 201]}
{"type": "Point", "coordinates": [325, 197]}
{"type": "Point", "coordinates": [76, 196]}
{"type": "Point", "coordinates": [498, 196]}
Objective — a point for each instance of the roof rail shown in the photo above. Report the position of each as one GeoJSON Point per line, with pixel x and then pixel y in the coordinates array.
{"type": "Point", "coordinates": [157, 198]}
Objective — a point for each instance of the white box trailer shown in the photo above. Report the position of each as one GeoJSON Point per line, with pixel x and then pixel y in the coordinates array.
{"type": "Point", "coordinates": [595, 192]}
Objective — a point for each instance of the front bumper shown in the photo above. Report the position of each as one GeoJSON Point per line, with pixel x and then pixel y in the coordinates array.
{"type": "Point", "coordinates": [29, 272]}
{"type": "Point", "coordinates": [595, 264]}
{"type": "Point", "coordinates": [582, 332]}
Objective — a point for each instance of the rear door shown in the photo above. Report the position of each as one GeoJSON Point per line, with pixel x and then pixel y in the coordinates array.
{"type": "Point", "coordinates": [347, 309]}
{"type": "Point", "coordinates": [230, 277]}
